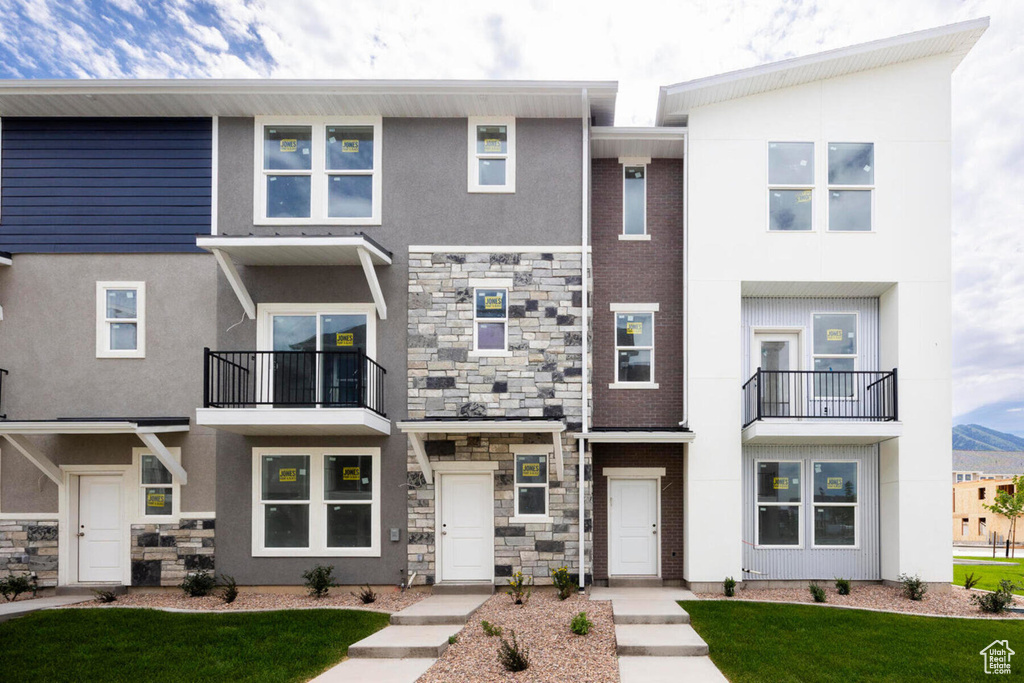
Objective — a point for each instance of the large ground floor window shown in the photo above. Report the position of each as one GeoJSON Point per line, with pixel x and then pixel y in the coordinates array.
{"type": "Point", "coordinates": [782, 492]}
{"type": "Point", "coordinates": [316, 502]}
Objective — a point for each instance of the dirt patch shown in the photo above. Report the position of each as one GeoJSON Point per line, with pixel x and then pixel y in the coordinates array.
{"type": "Point", "coordinates": [387, 601]}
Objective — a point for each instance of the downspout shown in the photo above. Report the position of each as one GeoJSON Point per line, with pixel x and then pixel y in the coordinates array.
{"type": "Point", "coordinates": [685, 422]}
{"type": "Point", "coordinates": [584, 240]}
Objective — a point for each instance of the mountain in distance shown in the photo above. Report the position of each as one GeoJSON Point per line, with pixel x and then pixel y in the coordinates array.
{"type": "Point", "coordinates": [977, 438]}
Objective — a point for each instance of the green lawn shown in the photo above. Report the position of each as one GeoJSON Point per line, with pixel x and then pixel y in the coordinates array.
{"type": "Point", "coordinates": [780, 642]}
{"type": "Point", "coordinates": [990, 575]}
{"type": "Point", "coordinates": [148, 645]}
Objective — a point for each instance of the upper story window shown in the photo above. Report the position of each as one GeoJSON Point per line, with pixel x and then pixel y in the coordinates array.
{"type": "Point", "coordinates": [634, 200]}
{"type": "Point", "coordinates": [323, 171]}
{"type": "Point", "coordinates": [835, 352]}
{"type": "Point", "coordinates": [791, 186]}
{"type": "Point", "coordinates": [490, 320]}
{"type": "Point", "coordinates": [120, 319]}
{"type": "Point", "coordinates": [634, 346]}
{"type": "Point", "coordinates": [492, 154]}
{"type": "Point", "coordinates": [851, 184]}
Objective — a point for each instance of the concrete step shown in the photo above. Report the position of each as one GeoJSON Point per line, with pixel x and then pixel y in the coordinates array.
{"type": "Point", "coordinates": [471, 588]}
{"type": "Point", "coordinates": [669, 670]}
{"type": "Point", "coordinates": [635, 582]}
{"type": "Point", "coordinates": [659, 640]}
{"type": "Point", "coordinates": [376, 670]}
{"type": "Point", "coordinates": [400, 642]}
{"type": "Point", "coordinates": [626, 611]}
{"type": "Point", "coordinates": [90, 589]}
{"type": "Point", "coordinates": [440, 609]}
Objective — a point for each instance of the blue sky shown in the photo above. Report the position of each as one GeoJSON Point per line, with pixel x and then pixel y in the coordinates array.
{"type": "Point", "coordinates": [648, 45]}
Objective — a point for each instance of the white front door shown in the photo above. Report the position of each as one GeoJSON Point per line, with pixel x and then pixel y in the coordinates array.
{"type": "Point", "coordinates": [778, 356]}
{"type": "Point", "coordinates": [100, 529]}
{"type": "Point", "coordinates": [633, 538]}
{"type": "Point", "coordinates": [467, 527]}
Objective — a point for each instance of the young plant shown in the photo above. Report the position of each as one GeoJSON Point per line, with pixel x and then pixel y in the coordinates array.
{"type": "Point", "coordinates": [452, 639]}
{"type": "Point", "coordinates": [513, 656]}
{"type": "Point", "coordinates": [229, 589]}
{"type": "Point", "coordinates": [730, 586]}
{"type": "Point", "coordinates": [519, 588]}
{"type": "Point", "coordinates": [366, 595]}
{"type": "Point", "coordinates": [970, 581]}
{"type": "Point", "coordinates": [199, 584]}
{"type": "Point", "coordinates": [843, 586]}
{"type": "Point", "coordinates": [998, 600]}
{"type": "Point", "coordinates": [12, 586]}
{"type": "Point", "coordinates": [563, 582]}
{"type": "Point", "coordinates": [817, 592]}
{"type": "Point", "coordinates": [913, 587]}
{"type": "Point", "coordinates": [580, 624]}
{"type": "Point", "coordinates": [490, 629]}
{"type": "Point", "coordinates": [105, 596]}
{"type": "Point", "coordinates": [319, 580]}
{"type": "Point", "coordinates": [1011, 506]}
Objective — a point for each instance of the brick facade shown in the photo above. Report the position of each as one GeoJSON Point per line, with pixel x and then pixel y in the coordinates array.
{"type": "Point", "coordinates": [638, 271]}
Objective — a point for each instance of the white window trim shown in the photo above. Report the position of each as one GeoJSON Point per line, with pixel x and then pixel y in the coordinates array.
{"type": "Point", "coordinates": [318, 172]}
{"type": "Point", "coordinates": [637, 309]}
{"type": "Point", "coordinates": [855, 506]}
{"type": "Point", "coordinates": [139, 506]}
{"type": "Point", "coordinates": [776, 186]}
{"type": "Point", "coordinates": [477, 351]}
{"type": "Point", "coordinates": [473, 176]}
{"type": "Point", "coordinates": [317, 505]}
{"type": "Point", "coordinates": [644, 234]}
{"type": "Point", "coordinates": [800, 506]}
{"type": "Point", "coordinates": [840, 188]}
{"type": "Point", "coordinates": [855, 355]}
{"type": "Point", "coordinates": [532, 449]}
{"type": "Point", "coordinates": [103, 349]}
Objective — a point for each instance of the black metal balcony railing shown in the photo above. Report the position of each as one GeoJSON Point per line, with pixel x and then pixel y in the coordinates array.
{"type": "Point", "coordinates": [3, 416]}
{"type": "Point", "coordinates": [868, 396]}
{"type": "Point", "coordinates": [292, 379]}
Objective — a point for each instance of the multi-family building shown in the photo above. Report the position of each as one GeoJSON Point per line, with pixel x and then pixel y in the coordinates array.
{"type": "Point", "coordinates": [436, 332]}
{"type": "Point", "coordinates": [973, 522]}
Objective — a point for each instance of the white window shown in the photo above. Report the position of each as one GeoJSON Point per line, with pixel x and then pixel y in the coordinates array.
{"type": "Point", "coordinates": [634, 200]}
{"type": "Point", "coordinates": [490, 321]}
{"type": "Point", "coordinates": [316, 502]}
{"type": "Point", "coordinates": [851, 184]}
{"type": "Point", "coordinates": [790, 186]}
{"type": "Point", "coordinates": [634, 346]}
{"type": "Point", "coordinates": [492, 154]}
{"type": "Point", "coordinates": [835, 504]}
{"type": "Point", "coordinates": [835, 352]}
{"type": "Point", "coordinates": [778, 503]}
{"type": "Point", "coordinates": [159, 491]}
{"type": "Point", "coordinates": [323, 171]}
{"type": "Point", "coordinates": [531, 482]}
{"type": "Point", "coordinates": [120, 319]}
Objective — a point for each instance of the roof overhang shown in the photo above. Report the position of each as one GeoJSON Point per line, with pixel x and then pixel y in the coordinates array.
{"type": "Point", "coordinates": [419, 429]}
{"type": "Point", "coordinates": [296, 250]}
{"type": "Point", "coordinates": [676, 101]}
{"type": "Point", "coordinates": [810, 290]}
{"type": "Point", "coordinates": [837, 432]}
{"type": "Point", "coordinates": [637, 436]}
{"type": "Point", "coordinates": [612, 142]}
{"type": "Point", "coordinates": [268, 97]}
{"type": "Point", "coordinates": [6, 259]}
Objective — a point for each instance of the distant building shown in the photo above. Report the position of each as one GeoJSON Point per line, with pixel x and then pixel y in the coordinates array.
{"type": "Point", "coordinates": [975, 465]}
{"type": "Point", "coordinates": [972, 522]}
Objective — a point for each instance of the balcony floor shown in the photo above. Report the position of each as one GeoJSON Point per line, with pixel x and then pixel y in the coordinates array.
{"type": "Point", "coordinates": [295, 421]}
{"type": "Point", "coordinates": [789, 431]}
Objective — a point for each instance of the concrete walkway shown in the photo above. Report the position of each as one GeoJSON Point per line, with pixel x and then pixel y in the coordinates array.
{"type": "Point", "coordinates": [655, 641]}
{"type": "Point", "coordinates": [10, 610]}
{"type": "Point", "coordinates": [402, 652]}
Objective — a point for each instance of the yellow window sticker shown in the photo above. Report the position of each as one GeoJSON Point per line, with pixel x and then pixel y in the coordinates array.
{"type": "Point", "coordinates": [834, 335]}
{"type": "Point", "coordinates": [634, 328]}
{"type": "Point", "coordinates": [835, 483]}
{"type": "Point", "coordinates": [289, 145]}
{"type": "Point", "coordinates": [803, 197]}
{"type": "Point", "coordinates": [287, 474]}
{"type": "Point", "coordinates": [492, 145]}
{"type": "Point", "coordinates": [531, 469]}
{"type": "Point", "coordinates": [350, 473]}
{"type": "Point", "coordinates": [155, 500]}
{"type": "Point", "coordinates": [344, 339]}
{"type": "Point", "coordinates": [492, 302]}
{"type": "Point", "coordinates": [350, 145]}
{"type": "Point", "coordinates": [779, 483]}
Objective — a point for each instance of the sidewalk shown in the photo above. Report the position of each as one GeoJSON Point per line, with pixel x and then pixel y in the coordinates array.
{"type": "Point", "coordinates": [10, 610]}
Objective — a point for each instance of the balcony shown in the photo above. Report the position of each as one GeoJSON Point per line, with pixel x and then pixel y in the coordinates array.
{"type": "Point", "coordinates": [812, 406]}
{"type": "Point", "coordinates": [293, 393]}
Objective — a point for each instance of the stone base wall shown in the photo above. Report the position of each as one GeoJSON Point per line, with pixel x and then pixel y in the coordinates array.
{"type": "Point", "coordinates": [163, 554]}
{"type": "Point", "coordinates": [29, 546]}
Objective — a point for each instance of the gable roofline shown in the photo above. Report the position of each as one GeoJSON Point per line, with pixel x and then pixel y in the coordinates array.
{"type": "Point", "coordinates": [675, 101]}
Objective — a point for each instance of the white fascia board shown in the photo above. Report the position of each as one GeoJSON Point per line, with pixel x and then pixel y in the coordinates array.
{"type": "Point", "coordinates": [494, 248]}
{"type": "Point", "coordinates": [84, 427]}
{"type": "Point", "coordinates": [5, 261]}
{"type": "Point", "coordinates": [294, 421]}
{"type": "Point", "coordinates": [273, 242]}
{"type": "Point", "coordinates": [481, 426]}
{"type": "Point", "coordinates": [636, 437]}
{"type": "Point", "coordinates": [638, 133]}
{"type": "Point", "coordinates": [793, 432]}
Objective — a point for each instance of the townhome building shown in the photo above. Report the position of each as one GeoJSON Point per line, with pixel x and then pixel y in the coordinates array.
{"type": "Point", "coordinates": [437, 332]}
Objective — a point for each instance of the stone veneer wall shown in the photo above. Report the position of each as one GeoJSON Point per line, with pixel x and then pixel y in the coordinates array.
{"type": "Point", "coordinates": [542, 378]}
{"type": "Point", "coordinates": [29, 546]}
{"type": "Point", "coordinates": [163, 554]}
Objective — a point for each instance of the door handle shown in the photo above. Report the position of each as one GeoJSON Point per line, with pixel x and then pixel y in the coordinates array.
{"type": "Point", "coordinates": [80, 534]}
{"type": "Point", "coordinates": [444, 533]}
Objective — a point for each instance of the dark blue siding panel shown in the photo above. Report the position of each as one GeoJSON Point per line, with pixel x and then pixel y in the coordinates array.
{"type": "Point", "coordinates": [104, 185]}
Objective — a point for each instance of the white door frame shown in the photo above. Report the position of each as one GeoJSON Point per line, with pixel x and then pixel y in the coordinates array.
{"type": "Point", "coordinates": [650, 473]}
{"type": "Point", "coordinates": [67, 515]}
{"type": "Point", "coordinates": [455, 467]}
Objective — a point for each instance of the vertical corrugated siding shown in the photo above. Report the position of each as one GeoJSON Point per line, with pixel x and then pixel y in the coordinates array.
{"type": "Point", "coordinates": [104, 184]}
{"type": "Point", "coordinates": [814, 563]}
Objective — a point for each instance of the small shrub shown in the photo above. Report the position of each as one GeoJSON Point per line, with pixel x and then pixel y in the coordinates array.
{"type": "Point", "coordinates": [513, 656]}
{"type": "Point", "coordinates": [970, 581]}
{"type": "Point", "coordinates": [319, 580]}
{"type": "Point", "coordinates": [490, 629]}
{"type": "Point", "coordinates": [913, 587]}
{"type": "Point", "coordinates": [105, 596]}
{"type": "Point", "coordinates": [199, 584]}
{"type": "Point", "coordinates": [843, 586]}
{"type": "Point", "coordinates": [229, 590]}
{"type": "Point", "coordinates": [730, 586]}
{"type": "Point", "coordinates": [452, 639]}
{"type": "Point", "coordinates": [519, 587]}
{"type": "Point", "coordinates": [580, 624]}
{"type": "Point", "coordinates": [366, 595]}
{"type": "Point", "coordinates": [15, 584]}
{"type": "Point", "coordinates": [817, 592]}
{"type": "Point", "coordinates": [998, 600]}
{"type": "Point", "coordinates": [563, 582]}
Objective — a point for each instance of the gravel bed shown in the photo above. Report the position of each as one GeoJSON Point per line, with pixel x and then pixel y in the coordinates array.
{"type": "Point", "coordinates": [954, 603]}
{"type": "Point", "coordinates": [388, 600]}
{"type": "Point", "coordinates": [557, 655]}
